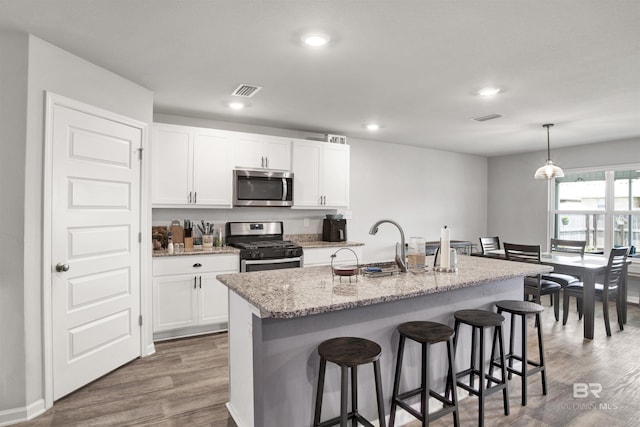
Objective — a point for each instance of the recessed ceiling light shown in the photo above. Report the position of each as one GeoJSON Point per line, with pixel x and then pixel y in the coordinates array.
{"type": "Point", "coordinates": [315, 39]}
{"type": "Point", "coordinates": [236, 105]}
{"type": "Point", "coordinates": [489, 91]}
{"type": "Point", "coordinates": [373, 126]}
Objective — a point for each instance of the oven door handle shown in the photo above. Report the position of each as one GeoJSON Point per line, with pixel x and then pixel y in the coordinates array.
{"type": "Point", "coordinates": [271, 261]}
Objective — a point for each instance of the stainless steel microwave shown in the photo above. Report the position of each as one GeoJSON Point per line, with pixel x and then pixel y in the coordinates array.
{"type": "Point", "coordinates": [262, 188]}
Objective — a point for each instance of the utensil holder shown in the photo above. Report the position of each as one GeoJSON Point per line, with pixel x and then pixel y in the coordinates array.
{"type": "Point", "coordinates": [207, 240]}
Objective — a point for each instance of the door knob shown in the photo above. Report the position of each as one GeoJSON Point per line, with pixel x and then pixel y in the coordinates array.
{"type": "Point", "coordinates": [60, 267]}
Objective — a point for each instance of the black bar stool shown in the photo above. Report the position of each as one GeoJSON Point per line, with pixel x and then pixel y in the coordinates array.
{"type": "Point", "coordinates": [479, 320]}
{"type": "Point", "coordinates": [425, 333]}
{"type": "Point", "coordinates": [348, 352]}
{"type": "Point", "coordinates": [523, 309]}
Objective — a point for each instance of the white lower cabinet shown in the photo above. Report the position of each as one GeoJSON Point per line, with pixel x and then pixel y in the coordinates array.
{"type": "Point", "coordinates": [187, 297]}
{"type": "Point", "coordinates": [322, 256]}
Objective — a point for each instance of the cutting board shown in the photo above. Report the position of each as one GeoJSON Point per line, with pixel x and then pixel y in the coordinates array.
{"type": "Point", "coordinates": [177, 232]}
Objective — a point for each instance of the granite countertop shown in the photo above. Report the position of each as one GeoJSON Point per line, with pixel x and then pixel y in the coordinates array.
{"type": "Point", "coordinates": [302, 292]}
{"type": "Point", "coordinates": [207, 251]}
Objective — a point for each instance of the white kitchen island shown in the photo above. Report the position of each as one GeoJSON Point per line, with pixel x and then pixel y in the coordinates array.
{"type": "Point", "coordinates": [277, 319]}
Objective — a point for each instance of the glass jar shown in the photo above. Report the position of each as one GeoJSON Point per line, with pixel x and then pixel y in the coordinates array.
{"type": "Point", "coordinates": [416, 255]}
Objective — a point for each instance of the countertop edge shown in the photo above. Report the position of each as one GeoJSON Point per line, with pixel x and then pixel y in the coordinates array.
{"type": "Point", "coordinates": [362, 302]}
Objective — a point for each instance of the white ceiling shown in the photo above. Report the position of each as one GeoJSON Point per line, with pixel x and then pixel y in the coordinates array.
{"type": "Point", "coordinates": [413, 66]}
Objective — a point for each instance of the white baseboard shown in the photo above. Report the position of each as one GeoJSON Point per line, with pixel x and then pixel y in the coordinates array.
{"type": "Point", "coordinates": [234, 415]}
{"type": "Point", "coordinates": [149, 350]}
{"type": "Point", "coordinates": [18, 415]}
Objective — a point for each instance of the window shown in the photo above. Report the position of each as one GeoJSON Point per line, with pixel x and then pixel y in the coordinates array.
{"type": "Point", "coordinates": [601, 207]}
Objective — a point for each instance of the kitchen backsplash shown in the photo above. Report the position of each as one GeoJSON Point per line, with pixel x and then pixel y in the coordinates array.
{"type": "Point", "coordinates": [296, 221]}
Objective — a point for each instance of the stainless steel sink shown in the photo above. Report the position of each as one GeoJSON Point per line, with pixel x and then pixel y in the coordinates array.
{"type": "Point", "coordinates": [387, 268]}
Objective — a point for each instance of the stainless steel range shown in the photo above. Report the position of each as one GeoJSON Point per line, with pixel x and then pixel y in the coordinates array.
{"type": "Point", "coordinates": [262, 246]}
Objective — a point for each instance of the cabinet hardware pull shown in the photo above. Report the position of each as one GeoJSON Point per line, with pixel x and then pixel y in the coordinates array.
{"type": "Point", "coordinates": [189, 196]}
{"type": "Point", "coordinates": [261, 162]}
{"type": "Point", "coordinates": [267, 161]}
{"type": "Point", "coordinates": [197, 264]}
{"type": "Point", "coordinates": [195, 197]}
{"type": "Point", "coordinates": [195, 282]}
{"type": "Point", "coordinates": [200, 282]}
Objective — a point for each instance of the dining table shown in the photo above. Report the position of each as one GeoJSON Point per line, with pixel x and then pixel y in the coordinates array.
{"type": "Point", "coordinates": [587, 268]}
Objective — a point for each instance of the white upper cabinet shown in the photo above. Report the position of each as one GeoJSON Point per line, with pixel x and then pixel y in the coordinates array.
{"type": "Point", "coordinates": [171, 165]}
{"type": "Point", "coordinates": [321, 174]}
{"type": "Point", "coordinates": [191, 166]}
{"type": "Point", "coordinates": [212, 168]}
{"type": "Point", "coordinates": [262, 152]}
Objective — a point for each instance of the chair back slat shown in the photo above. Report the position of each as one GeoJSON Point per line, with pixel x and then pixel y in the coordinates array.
{"type": "Point", "coordinates": [568, 246]}
{"type": "Point", "coordinates": [522, 253]}
{"type": "Point", "coordinates": [615, 267]}
{"type": "Point", "coordinates": [489, 244]}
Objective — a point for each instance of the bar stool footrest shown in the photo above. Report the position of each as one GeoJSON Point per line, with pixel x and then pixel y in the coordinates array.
{"type": "Point", "coordinates": [350, 416]}
{"type": "Point", "coordinates": [448, 408]}
{"type": "Point", "coordinates": [487, 391]}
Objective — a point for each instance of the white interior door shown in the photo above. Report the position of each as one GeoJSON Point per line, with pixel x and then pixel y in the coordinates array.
{"type": "Point", "coordinates": [95, 248]}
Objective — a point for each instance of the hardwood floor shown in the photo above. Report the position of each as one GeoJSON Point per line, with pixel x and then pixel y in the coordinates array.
{"type": "Point", "coordinates": [186, 384]}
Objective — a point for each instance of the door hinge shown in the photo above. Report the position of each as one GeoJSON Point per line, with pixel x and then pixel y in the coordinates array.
{"type": "Point", "coordinates": [140, 153]}
{"type": "Point", "coordinates": [140, 320]}
{"type": "Point", "coordinates": [139, 236]}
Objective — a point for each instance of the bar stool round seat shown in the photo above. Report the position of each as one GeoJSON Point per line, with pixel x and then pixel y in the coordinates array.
{"type": "Point", "coordinates": [348, 353]}
{"type": "Point", "coordinates": [426, 334]}
{"type": "Point", "coordinates": [480, 320]}
{"type": "Point", "coordinates": [523, 309]}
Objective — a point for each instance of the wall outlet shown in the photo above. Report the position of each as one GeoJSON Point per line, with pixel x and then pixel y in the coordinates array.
{"type": "Point", "coordinates": [306, 222]}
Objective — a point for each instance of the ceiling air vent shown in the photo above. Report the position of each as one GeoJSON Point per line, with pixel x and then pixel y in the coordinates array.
{"type": "Point", "coordinates": [487, 117]}
{"type": "Point", "coordinates": [246, 91]}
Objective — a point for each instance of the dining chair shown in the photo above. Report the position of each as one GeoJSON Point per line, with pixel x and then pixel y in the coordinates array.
{"type": "Point", "coordinates": [534, 286]}
{"type": "Point", "coordinates": [605, 292]}
{"type": "Point", "coordinates": [489, 244]}
{"type": "Point", "coordinates": [568, 247]}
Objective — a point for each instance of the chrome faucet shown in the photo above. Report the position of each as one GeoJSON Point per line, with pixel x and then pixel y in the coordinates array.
{"type": "Point", "coordinates": [402, 259]}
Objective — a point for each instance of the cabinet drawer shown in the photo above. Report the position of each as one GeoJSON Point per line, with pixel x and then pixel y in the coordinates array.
{"type": "Point", "coordinates": [322, 256]}
{"type": "Point", "coordinates": [188, 264]}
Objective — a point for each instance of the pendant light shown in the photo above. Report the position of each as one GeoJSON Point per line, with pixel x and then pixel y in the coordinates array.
{"type": "Point", "coordinates": [548, 170]}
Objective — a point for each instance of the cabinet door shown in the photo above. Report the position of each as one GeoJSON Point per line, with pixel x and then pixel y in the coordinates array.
{"type": "Point", "coordinates": [249, 152]}
{"type": "Point", "coordinates": [174, 302]}
{"type": "Point", "coordinates": [171, 165]}
{"type": "Point", "coordinates": [213, 300]}
{"type": "Point", "coordinates": [307, 156]}
{"type": "Point", "coordinates": [335, 175]}
{"type": "Point", "coordinates": [278, 153]}
{"type": "Point", "coordinates": [212, 168]}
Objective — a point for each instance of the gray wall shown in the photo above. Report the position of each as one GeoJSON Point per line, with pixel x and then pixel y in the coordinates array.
{"type": "Point", "coordinates": [420, 188]}
{"type": "Point", "coordinates": [13, 107]}
{"type": "Point", "coordinates": [517, 203]}
{"type": "Point", "coordinates": [43, 67]}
